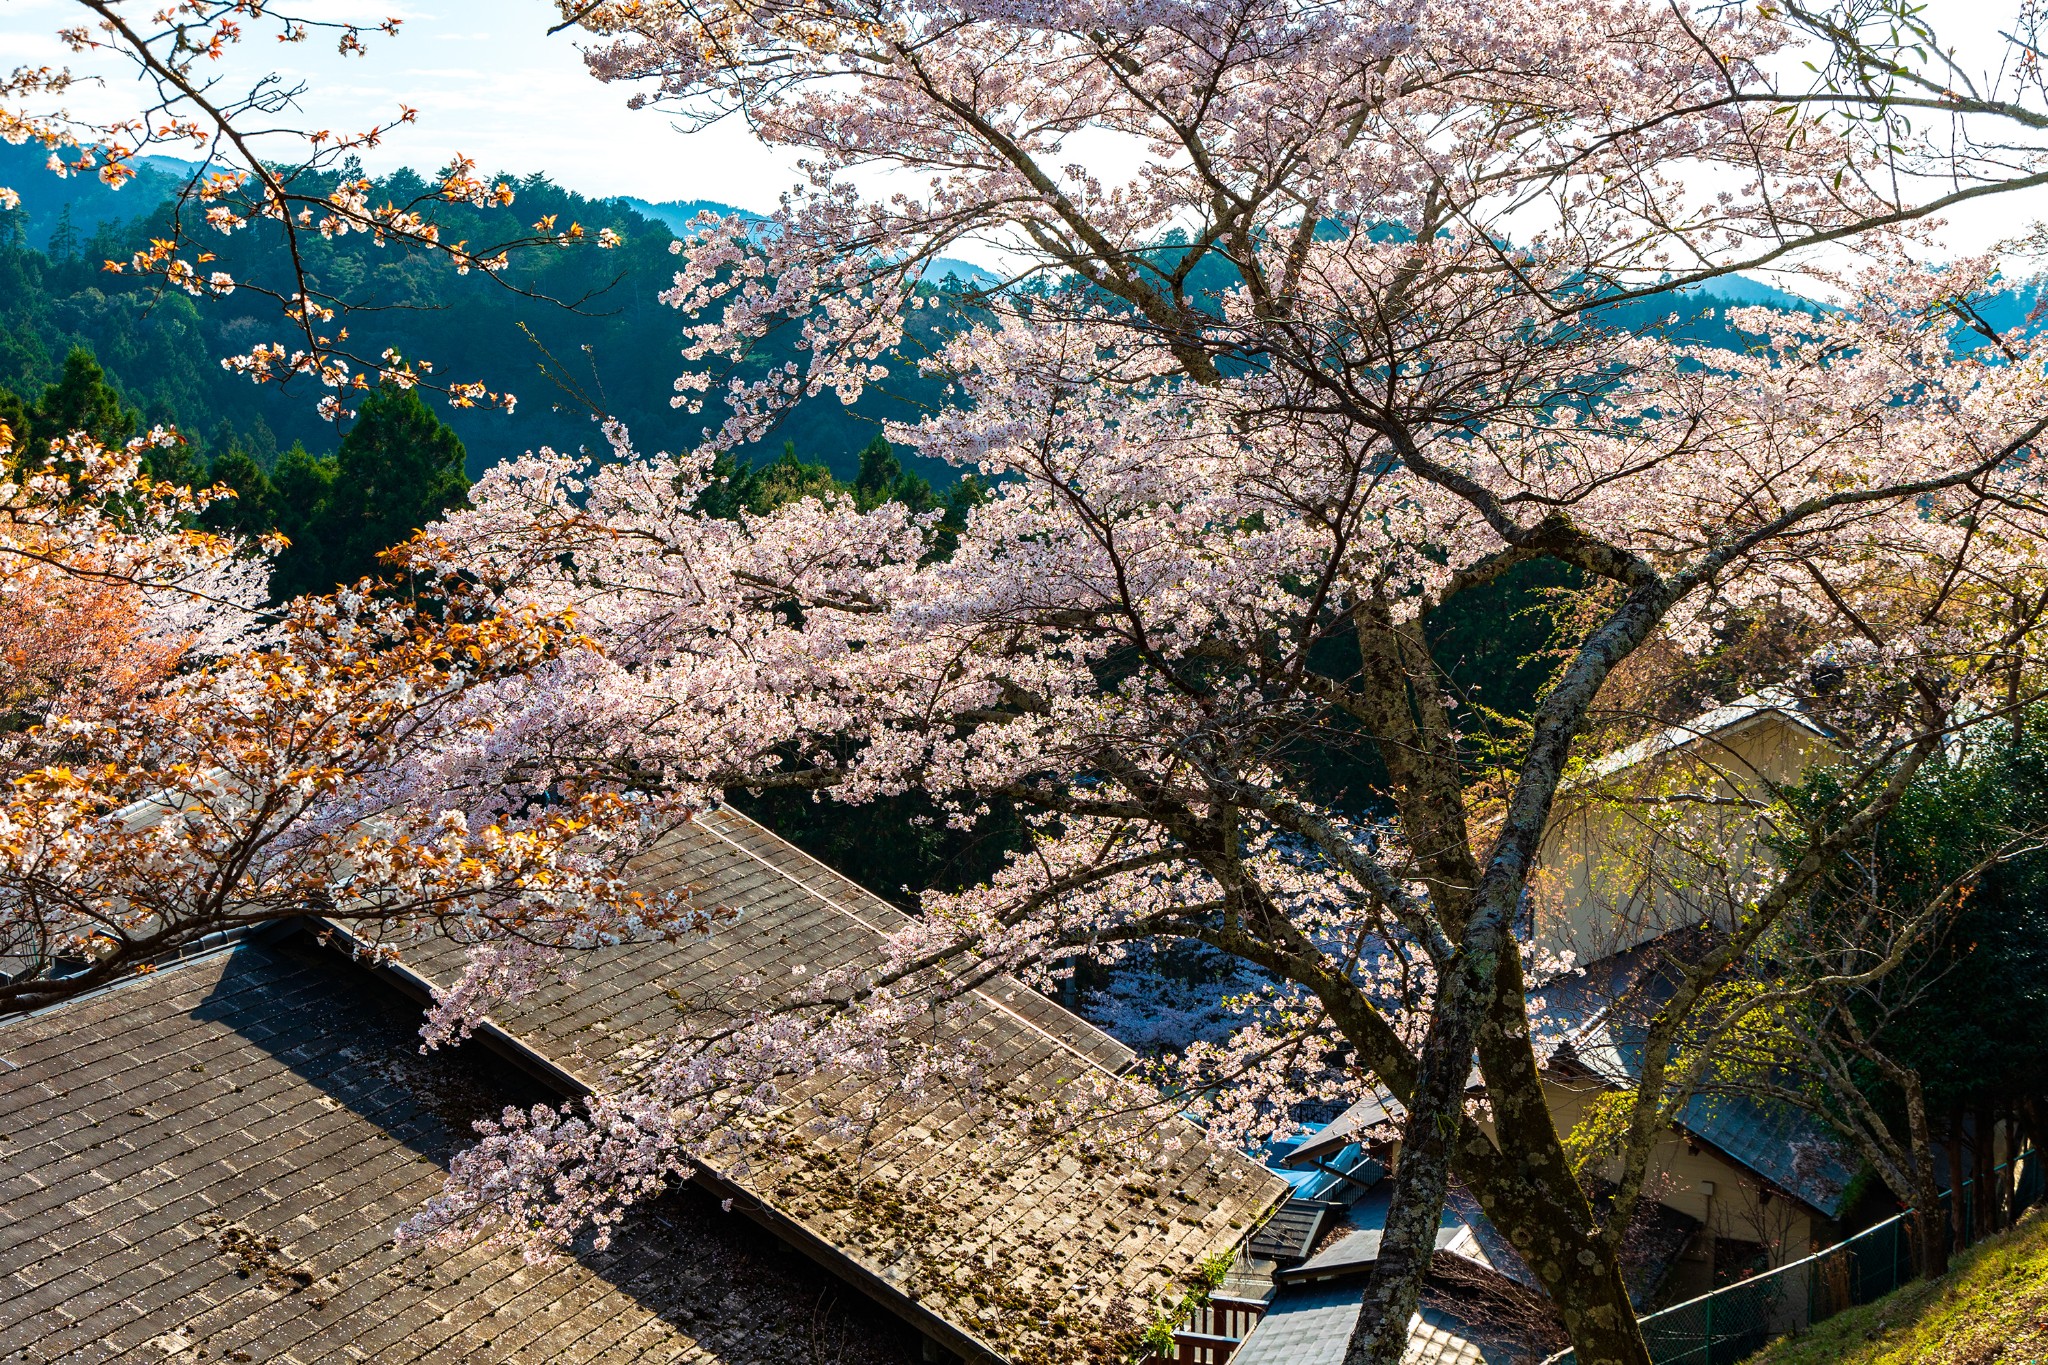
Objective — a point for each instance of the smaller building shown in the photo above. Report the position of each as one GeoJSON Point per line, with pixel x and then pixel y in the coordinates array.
{"type": "Point", "coordinates": [1741, 1182]}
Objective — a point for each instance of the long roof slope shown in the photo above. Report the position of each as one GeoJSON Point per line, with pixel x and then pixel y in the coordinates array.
{"type": "Point", "coordinates": [1006, 1247]}
{"type": "Point", "coordinates": [204, 1165]}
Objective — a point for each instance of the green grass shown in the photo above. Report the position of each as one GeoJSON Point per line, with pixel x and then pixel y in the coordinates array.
{"type": "Point", "coordinates": [1990, 1309]}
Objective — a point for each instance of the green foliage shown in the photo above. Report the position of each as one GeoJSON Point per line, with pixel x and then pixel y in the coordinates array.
{"type": "Point", "coordinates": [882, 479]}
{"type": "Point", "coordinates": [617, 349]}
{"type": "Point", "coordinates": [1979, 993]}
{"type": "Point", "coordinates": [741, 486]}
{"type": "Point", "coordinates": [1205, 1279]}
{"type": "Point", "coordinates": [80, 399]}
{"type": "Point", "coordinates": [398, 468]}
{"type": "Point", "coordinates": [304, 484]}
{"type": "Point", "coordinates": [1496, 642]}
{"type": "Point", "coordinates": [255, 509]}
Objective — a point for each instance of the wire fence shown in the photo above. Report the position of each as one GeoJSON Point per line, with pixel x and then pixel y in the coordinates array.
{"type": "Point", "coordinates": [1737, 1320]}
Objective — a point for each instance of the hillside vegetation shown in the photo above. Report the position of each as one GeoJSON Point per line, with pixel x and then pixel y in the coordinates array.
{"type": "Point", "coordinates": [1991, 1309]}
{"type": "Point", "coordinates": [569, 332]}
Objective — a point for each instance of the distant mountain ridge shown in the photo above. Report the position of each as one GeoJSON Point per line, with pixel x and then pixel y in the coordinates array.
{"type": "Point", "coordinates": [677, 215]}
{"type": "Point", "coordinates": [618, 348]}
{"type": "Point", "coordinates": [44, 198]}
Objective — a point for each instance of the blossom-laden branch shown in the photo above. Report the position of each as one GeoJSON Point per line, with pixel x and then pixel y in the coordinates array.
{"type": "Point", "coordinates": [1133, 639]}
{"type": "Point", "coordinates": [205, 770]}
{"type": "Point", "coordinates": [259, 172]}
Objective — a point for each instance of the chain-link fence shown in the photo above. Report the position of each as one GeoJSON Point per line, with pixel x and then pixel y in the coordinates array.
{"type": "Point", "coordinates": [1733, 1322]}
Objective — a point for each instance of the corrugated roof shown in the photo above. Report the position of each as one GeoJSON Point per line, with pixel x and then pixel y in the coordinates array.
{"type": "Point", "coordinates": [1015, 1246]}
{"type": "Point", "coordinates": [205, 1164]}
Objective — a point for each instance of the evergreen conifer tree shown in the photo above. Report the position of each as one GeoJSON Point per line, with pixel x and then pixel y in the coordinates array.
{"type": "Point", "coordinates": [254, 509]}
{"type": "Point", "coordinates": [399, 467]}
{"type": "Point", "coordinates": [302, 486]}
{"type": "Point", "coordinates": [82, 400]}
{"type": "Point", "coordinates": [882, 479]}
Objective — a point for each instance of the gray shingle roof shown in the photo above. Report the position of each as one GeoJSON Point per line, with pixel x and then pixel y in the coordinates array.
{"type": "Point", "coordinates": [207, 1163]}
{"type": "Point", "coordinates": [1016, 1246]}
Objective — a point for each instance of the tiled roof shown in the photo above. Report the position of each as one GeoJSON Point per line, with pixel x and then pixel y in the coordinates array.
{"type": "Point", "coordinates": [205, 1165]}
{"type": "Point", "coordinates": [1016, 1247]}
{"type": "Point", "coordinates": [1595, 1018]}
{"type": "Point", "coordinates": [1312, 1325]}
{"type": "Point", "coordinates": [1786, 1146]}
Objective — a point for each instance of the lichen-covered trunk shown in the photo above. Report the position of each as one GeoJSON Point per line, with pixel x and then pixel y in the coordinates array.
{"type": "Point", "coordinates": [1428, 1146]}
{"type": "Point", "coordinates": [1524, 1181]}
{"type": "Point", "coordinates": [1482, 980]}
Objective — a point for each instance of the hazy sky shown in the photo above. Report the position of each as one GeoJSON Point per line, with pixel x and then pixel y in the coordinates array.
{"type": "Point", "coordinates": [490, 83]}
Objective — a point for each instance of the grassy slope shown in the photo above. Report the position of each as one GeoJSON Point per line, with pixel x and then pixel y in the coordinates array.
{"type": "Point", "coordinates": [1991, 1307]}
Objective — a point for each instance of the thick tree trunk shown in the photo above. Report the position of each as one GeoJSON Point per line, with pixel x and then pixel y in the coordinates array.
{"type": "Point", "coordinates": [1560, 1241]}
{"type": "Point", "coordinates": [1482, 980]}
{"type": "Point", "coordinates": [1929, 1231]}
{"type": "Point", "coordinates": [1930, 1236]}
{"type": "Point", "coordinates": [1989, 1203]}
{"type": "Point", "coordinates": [1428, 1140]}
{"type": "Point", "coordinates": [1575, 1265]}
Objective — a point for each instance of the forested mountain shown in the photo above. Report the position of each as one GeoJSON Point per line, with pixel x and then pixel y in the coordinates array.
{"type": "Point", "coordinates": [566, 330]}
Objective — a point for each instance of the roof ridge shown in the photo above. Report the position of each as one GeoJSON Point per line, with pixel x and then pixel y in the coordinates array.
{"type": "Point", "coordinates": [1063, 1043]}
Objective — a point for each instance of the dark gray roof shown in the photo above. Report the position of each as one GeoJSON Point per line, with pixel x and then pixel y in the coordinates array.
{"type": "Point", "coordinates": [1291, 1231]}
{"type": "Point", "coordinates": [1783, 1144]}
{"type": "Point", "coordinates": [1311, 1325]}
{"type": "Point", "coordinates": [104, 1243]}
{"type": "Point", "coordinates": [212, 1158]}
{"type": "Point", "coordinates": [1356, 1124]}
{"type": "Point", "coordinates": [1082, 1242]}
{"type": "Point", "coordinates": [1356, 1250]}
{"type": "Point", "coordinates": [1463, 1232]}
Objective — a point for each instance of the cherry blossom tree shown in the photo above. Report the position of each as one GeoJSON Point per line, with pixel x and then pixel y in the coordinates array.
{"type": "Point", "coordinates": [1337, 347]}
{"type": "Point", "coordinates": [1172, 600]}
{"type": "Point", "coordinates": [177, 768]}
{"type": "Point", "coordinates": [1331, 355]}
{"type": "Point", "coordinates": [259, 169]}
